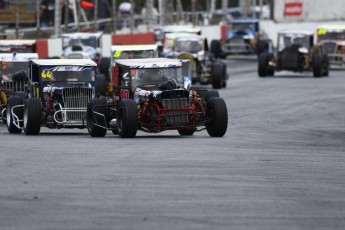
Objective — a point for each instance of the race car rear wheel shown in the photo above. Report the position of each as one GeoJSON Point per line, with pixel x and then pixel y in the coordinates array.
{"type": "Point", "coordinates": [263, 65]}
{"type": "Point", "coordinates": [13, 101]}
{"type": "Point", "coordinates": [127, 119]}
{"type": "Point", "coordinates": [186, 132]}
{"type": "Point", "coordinates": [325, 65]}
{"type": "Point", "coordinates": [217, 75]}
{"type": "Point", "coordinates": [101, 84]}
{"type": "Point", "coordinates": [32, 116]}
{"type": "Point", "coordinates": [216, 48]}
{"type": "Point", "coordinates": [217, 117]}
{"type": "Point", "coordinates": [94, 118]}
{"type": "Point", "coordinates": [317, 65]}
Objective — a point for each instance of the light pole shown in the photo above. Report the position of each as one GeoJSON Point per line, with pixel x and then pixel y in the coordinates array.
{"type": "Point", "coordinates": [57, 19]}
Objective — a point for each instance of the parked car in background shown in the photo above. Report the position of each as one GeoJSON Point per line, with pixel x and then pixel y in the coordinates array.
{"type": "Point", "coordinates": [331, 41]}
{"type": "Point", "coordinates": [149, 95]}
{"type": "Point", "coordinates": [14, 71]}
{"type": "Point", "coordinates": [295, 52]}
{"type": "Point", "coordinates": [57, 96]}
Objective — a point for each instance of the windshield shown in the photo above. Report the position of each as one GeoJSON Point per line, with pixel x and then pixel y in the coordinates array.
{"type": "Point", "coordinates": [133, 54]}
{"type": "Point", "coordinates": [286, 40]}
{"type": "Point", "coordinates": [11, 68]}
{"type": "Point", "coordinates": [68, 74]}
{"type": "Point", "coordinates": [68, 41]}
{"type": "Point", "coordinates": [242, 26]}
{"type": "Point", "coordinates": [141, 77]}
{"type": "Point", "coordinates": [188, 46]}
{"type": "Point", "coordinates": [331, 35]}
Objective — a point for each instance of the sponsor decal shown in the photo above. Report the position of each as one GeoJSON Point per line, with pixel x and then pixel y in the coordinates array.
{"type": "Point", "coordinates": [293, 8]}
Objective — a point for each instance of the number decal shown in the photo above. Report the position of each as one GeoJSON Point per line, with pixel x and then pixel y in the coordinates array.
{"type": "Point", "coordinates": [322, 31]}
{"type": "Point", "coordinates": [117, 53]}
{"type": "Point", "coordinates": [46, 74]}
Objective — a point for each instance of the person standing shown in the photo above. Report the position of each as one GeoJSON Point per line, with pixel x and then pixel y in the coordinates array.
{"type": "Point", "coordinates": [47, 13]}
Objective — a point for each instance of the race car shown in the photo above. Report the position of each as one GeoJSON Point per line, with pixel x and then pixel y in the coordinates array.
{"type": "Point", "coordinates": [242, 37]}
{"type": "Point", "coordinates": [57, 96]}
{"type": "Point", "coordinates": [129, 52]}
{"type": "Point", "coordinates": [166, 34]}
{"type": "Point", "coordinates": [18, 46]}
{"type": "Point", "coordinates": [149, 95]}
{"type": "Point", "coordinates": [295, 52]}
{"type": "Point", "coordinates": [14, 68]}
{"type": "Point", "coordinates": [331, 41]}
{"type": "Point", "coordinates": [82, 45]}
{"type": "Point", "coordinates": [205, 69]}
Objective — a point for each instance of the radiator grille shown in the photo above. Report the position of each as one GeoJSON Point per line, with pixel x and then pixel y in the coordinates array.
{"type": "Point", "coordinates": [75, 102]}
{"type": "Point", "coordinates": [176, 113]}
{"type": "Point", "coordinates": [18, 86]}
{"type": "Point", "coordinates": [290, 58]}
{"type": "Point", "coordinates": [329, 47]}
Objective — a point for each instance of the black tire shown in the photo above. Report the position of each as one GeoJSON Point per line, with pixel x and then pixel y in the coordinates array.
{"type": "Point", "coordinates": [92, 119]}
{"type": "Point", "coordinates": [262, 46]}
{"type": "Point", "coordinates": [104, 65]}
{"type": "Point", "coordinates": [217, 75]}
{"type": "Point", "coordinates": [225, 76]}
{"type": "Point", "coordinates": [207, 94]}
{"type": "Point", "coordinates": [14, 101]}
{"type": "Point", "coordinates": [215, 48]}
{"type": "Point", "coordinates": [127, 119]}
{"type": "Point", "coordinates": [186, 132]}
{"type": "Point", "coordinates": [263, 67]}
{"type": "Point", "coordinates": [325, 65]}
{"type": "Point", "coordinates": [217, 117]}
{"type": "Point", "coordinates": [32, 116]}
{"type": "Point", "coordinates": [317, 65]}
{"type": "Point", "coordinates": [101, 84]}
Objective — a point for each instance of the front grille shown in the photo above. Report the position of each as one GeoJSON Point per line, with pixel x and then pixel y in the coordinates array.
{"type": "Point", "coordinates": [236, 44]}
{"type": "Point", "coordinates": [290, 58]}
{"type": "Point", "coordinates": [75, 102]}
{"type": "Point", "coordinates": [18, 86]}
{"type": "Point", "coordinates": [176, 108]}
{"type": "Point", "coordinates": [329, 47]}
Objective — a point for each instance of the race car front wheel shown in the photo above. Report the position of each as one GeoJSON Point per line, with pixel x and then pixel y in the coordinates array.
{"type": "Point", "coordinates": [127, 119]}
{"type": "Point", "coordinates": [32, 116]}
{"type": "Point", "coordinates": [217, 117]}
{"type": "Point", "coordinates": [96, 116]}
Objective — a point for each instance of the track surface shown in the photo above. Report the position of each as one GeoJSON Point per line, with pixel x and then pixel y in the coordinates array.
{"type": "Point", "coordinates": [281, 165]}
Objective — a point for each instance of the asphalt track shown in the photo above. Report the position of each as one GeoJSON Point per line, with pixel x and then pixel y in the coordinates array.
{"type": "Point", "coordinates": [281, 165]}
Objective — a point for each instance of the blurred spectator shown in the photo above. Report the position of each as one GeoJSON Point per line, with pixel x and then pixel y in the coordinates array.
{"type": "Point", "coordinates": [3, 4]}
{"type": "Point", "coordinates": [47, 13]}
{"type": "Point", "coordinates": [70, 13]}
{"type": "Point", "coordinates": [103, 11]}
